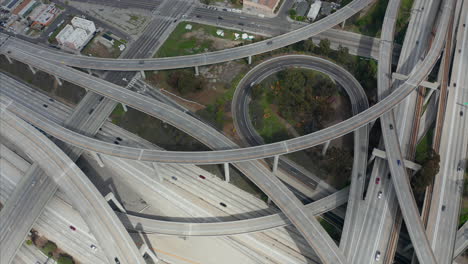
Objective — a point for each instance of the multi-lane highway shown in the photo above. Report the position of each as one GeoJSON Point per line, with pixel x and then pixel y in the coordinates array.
{"type": "Point", "coordinates": [109, 231]}
{"type": "Point", "coordinates": [199, 59]}
{"type": "Point", "coordinates": [448, 185]}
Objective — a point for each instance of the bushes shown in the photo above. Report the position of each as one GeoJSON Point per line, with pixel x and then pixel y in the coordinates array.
{"type": "Point", "coordinates": [49, 248]}
{"type": "Point", "coordinates": [184, 82]}
{"type": "Point", "coordinates": [65, 259]}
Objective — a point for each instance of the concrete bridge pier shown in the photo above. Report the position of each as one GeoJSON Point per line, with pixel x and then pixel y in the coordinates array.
{"type": "Point", "coordinates": [89, 71]}
{"type": "Point", "coordinates": [32, 69]}
{"type": "Point", "coordinates": [157, 172]}
{"type": "Point", "coordinates": [98, 159]}
{"type": "Point", "coordinates": [111, 197]}
{"type": "Point", "coordinates": [124, 106]}
{"type": "Point", "coordinates": [343, 23]}
{"type": "Point", "coordinates": [144, 250]}
{"type": "Point", "coordinates": [249, 59]}
{"type": "Point", "coordinates": [143, 75]}
{"type": "Point", "coordinates": [196, 71]}
{"type": "Point", "coordinates": [227, 177]}
{"type": "Point", "coordinates": [325, 148]}
{"type": "Point", "coordinates": [58, 80]}
{"type": "Point", "coordinates": [275, 164]}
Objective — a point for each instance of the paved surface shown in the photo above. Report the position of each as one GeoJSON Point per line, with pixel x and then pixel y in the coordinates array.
{"type": "Point", "coordinates": [111, 234]}
{"type": "Point", "coordinates": [21, 210]}
{"type": "Point", "coordinates": [461, 242]}
{"type": "Point", "coordinates": [16, 90]}
{"type": "Point", "coordinates": [200, 59]}
{"type": "Point", "coordinates": [399, 177]}
{"type": "Point", "coordinates": [448, 185]}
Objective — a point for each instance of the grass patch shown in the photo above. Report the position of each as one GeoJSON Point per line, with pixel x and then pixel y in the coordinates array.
{"type": "Point", "coordinates": [424, 146]}
{"type": "Point", "coordinates": [370, 24]}
{"type": "Point", "coordinates": [178, 45]}
{"type": "Point", "coordinates": [403, 20]}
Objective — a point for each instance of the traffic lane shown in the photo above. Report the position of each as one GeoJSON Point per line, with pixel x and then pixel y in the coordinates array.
{"type": "Point", "coordinates": [105, 226]}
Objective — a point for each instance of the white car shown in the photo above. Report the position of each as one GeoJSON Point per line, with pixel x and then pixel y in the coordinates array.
{"type": "Point", "coordinates": [94, 248]}
{"type": "Point", "coordinates": [379, 195]}
{"type": "Point", "coordinates": [377, 256]}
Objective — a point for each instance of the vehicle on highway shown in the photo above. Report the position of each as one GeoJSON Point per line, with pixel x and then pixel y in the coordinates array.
{"type": "Point", "coordinates": [398, 162]}
{"type": "Point", "coordinates": [119, 138]}
{"type": "Point", "coordinates": [443, 207]}
{"type": "Point", "coordinates": [91, 111]}
{"type": "Point", "coordinates": [102, 98]}
{"type": "Point", "coordinates": [220, 18]}
{"type": "Point", "coordinates": [73, 228]}
{"type": "Point", "coordinates": [174, 178]}
{"type": "Point", "coordinates": [269, 42]}
{"type": "Point", "coordinates": [93, 247]}
{"type": "Point", "coordinates": [117, 261]}
{"type": "Point", "coordinates": [44, 105]}
{"type": "Point", "coordinates": [377, 256]}
{"type": "Point", "coordinates": [461, 113]}
{"type": "Point", "coordinates": [459, 167]}
{"type": "Point", "coordinates": [202, 177]}
{"type": "Point", "coordinates": [379, 195]}
{"type": "Point", "coordinates": [377, 180]}
{"type": "Point", "coordinates": [222, 204]}
{"type": "Point", "coordinates": [116, 142]}
{"type": "Point", "coordinates": [51, 100]}
{"type": "Point", "coordinates": [391, 126]}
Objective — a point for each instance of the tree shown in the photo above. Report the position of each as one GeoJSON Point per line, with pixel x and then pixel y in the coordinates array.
{"type": "Point", "coordinates": [257, 92]}
{"type": "Point", "coordinates": [430, 168]}
{"type": "Point", "coordinates": [65, 259]}
{"type": "Point", "coordinates": [49, 248]}
{"type": "Point", "coordinates": [324, 47]}
{"type": "Point", "coordinates": [184, 82]}
{"type": "Point", "coordinates": [292, 13]}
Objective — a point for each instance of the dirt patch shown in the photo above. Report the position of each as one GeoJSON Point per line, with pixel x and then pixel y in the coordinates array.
{"type": "Point", "coordinates": [217, 43]}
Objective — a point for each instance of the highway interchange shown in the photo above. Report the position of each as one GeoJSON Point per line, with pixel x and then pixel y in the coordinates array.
{"type": "Point", "coordinates": [243, 158]}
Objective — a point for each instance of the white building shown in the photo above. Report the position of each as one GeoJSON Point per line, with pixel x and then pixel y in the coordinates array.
{"type": "Point", "coordinates": [76, 36]}
{"type": "Point", "coordinates": [85, 24]}
{"type": "Point", "coordinates": [63, 35]}
{"type": "Point", "coordinates": [77, 39]}
{"type": "Point", "coordinates": [314, 10]}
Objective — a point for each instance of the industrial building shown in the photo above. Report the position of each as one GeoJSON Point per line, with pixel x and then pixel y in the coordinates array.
{"type": "Point", "coordinates": [76, 35]}
{"type": "Point", "coordinates": [260, 7]}
{"type": "Point", "coordinates": [314, 10]}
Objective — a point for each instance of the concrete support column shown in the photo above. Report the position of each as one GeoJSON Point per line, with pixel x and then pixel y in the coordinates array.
{"type": "Point", "coordinates": [144, 249]}
{"type": "Point", "coordinates": [124, 106]}
{"type": "Point", "coordinates": [343, 23]}
{"type": "Point", "coordinates": [32, 69]}
{"type": "Point", "coordinates": [249, 59]}
{"type": "Point", "coordinates": [111, 197]}
{"type": "Point", "coordinates": [196, 71]}
{"type": "Point", "coordinates": [58, 80]}
{"type": "Point", "coordinates": [9, 60]}
{"type": "Point", "coordinates": [89, 71]}
{"type": "Point", "coordinates": [372, 157]}
{"type": "Point", "coordinates": [157, 172]}
{"type": "Point", "coordinates": [428, 96]}
{"type": "Point", "coordinates": [325, 147]}
{"type": "Point", "coordinates": [275, 164]}
{"type": "Point", "coordinates": [143, 75]}
{"type": "Point", "coordinates": [227, 177]}
{"type": "Point", "coordinates": [98, 159]}
{"type": "Point", "coordinates": [269, 200]}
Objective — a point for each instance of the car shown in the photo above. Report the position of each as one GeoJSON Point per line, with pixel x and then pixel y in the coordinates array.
{"type": "Point", "coordinates": [73, 228]}
{"type": "Point", "coordinates": [377, 256]}
{"type": "Point", "coordinates": [202, 177]}
{"type": "Point", "coordinates": [117, 261]}
{"type": "Point", "coordinates": [102, 98]}
{"type": "Point", "coordinates": [241, 24]}
{"type": "Point", "coordinates": [461, 113]}
{"type": "Point", "coordinates": [391, 126]}
{"type": "Point", "coordinates": [51, 100]}
{"type": "Point", "coordinates": [174, 178]}
{"type": "Point", "coordinates": [197, 16]}
{"type": "Point", "coordinates": [222, 204]}
{"type": "Point", "coordinates": [269, 42]}
{"type": "Point", "coordinates": [377, 180]}
{"type": "Point", "coordinates": [44, 105]}
{"type": "Point", "coordinates": [93, 247]}
{"type": "Point", "coordinates": [398, 162]}
{"type": "Point", "coordinates": [224, 9]}
{"type": "Point", "coordinates": [459, 167]}
{"type": "Point", "coordinates": [91, 111]}
{"type": "Point", "coordinates": [443, 208]}
{"type": "Point", "coordinates": [119, 138]}
{"type": "Point", "coordinates": [116, 142]}
{"type": "Point", "coordinates": [379, 195]}
{"type": "Point", "coordinates": [220, 18]}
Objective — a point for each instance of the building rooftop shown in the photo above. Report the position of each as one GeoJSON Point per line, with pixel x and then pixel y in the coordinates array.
{"type": "Point", "coordinates": [302, 7]}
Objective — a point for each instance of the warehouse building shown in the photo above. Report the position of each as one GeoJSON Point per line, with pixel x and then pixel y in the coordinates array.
{"type": "Point", "coordinates": [76, 35]}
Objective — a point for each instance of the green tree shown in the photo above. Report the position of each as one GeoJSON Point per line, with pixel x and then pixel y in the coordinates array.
{"type": "Point", "coordinates": [257, 91]}
{"type": "Point", "coordinates": [324, 47]}
{"type": "Point", "coordinates": [292, 13]}
{"type": "Point", "coordinates": [65, 259]}
{"type": "Point", "coordinates": [49, 248]}
{"type": "Point", "coordinates": [429, 169]}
